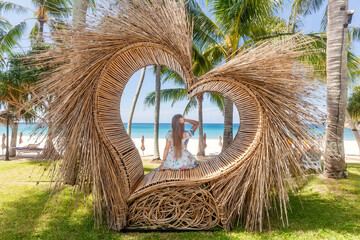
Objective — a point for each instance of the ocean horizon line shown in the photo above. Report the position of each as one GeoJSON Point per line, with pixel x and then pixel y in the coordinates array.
{"type": "Point", "coordinates": [212, 130]}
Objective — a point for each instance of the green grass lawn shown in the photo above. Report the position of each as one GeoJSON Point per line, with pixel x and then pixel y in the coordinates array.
{"type": "Point", "coordinates": [322, 209]}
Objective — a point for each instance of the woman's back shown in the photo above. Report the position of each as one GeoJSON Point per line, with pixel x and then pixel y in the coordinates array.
{"type": "Point", "coordinates": [176, 156]}
{"type": "Point", "coordinates": [186, 137]}
{"type": "Point", "coordinates": [186, 161]}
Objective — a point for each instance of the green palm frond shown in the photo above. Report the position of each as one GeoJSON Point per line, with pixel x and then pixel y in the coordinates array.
{"type": "Point", "coordinates": [353, 65]}
{"type": "Point", "coordinates": [214, 54]}
{"type": "Point", "coordinates": [217, 99]}
{"type": "Point", "coordinates": [192, 104]}
{"type": "Point", "coordinates": [29, 115]}
{"type": "Point", "coordinates": [34, 33]}
{"type": "Point", "coordinates": [10, 39]}
{"type": "Point", "coordinates": [205, 31]}
{"type": "Point", "coordinates": [4, 24]}
{"type": "Point", "coordinates": [55, 8]}
{"type": "Point", "coordinates": [324, 20]}
{"type": "Point", "coordinates": [16, 82]}
{"type": "Point", "coordinates": [166, 95]}
{"type": "Point", "coordinates": [238, 17]}
{"type": "Point", "coordinates": [354, 34]}
{"type": "Point", "coordinates": [307, 7]}
{"type": "Point", "coordinates": [201, 65]}
{"type": "Point", "coordinates": [13, 7]}
{"type": "Point", "coordinates": [353, 106]}
{"type": "Point", "coordinates": [302, 8]}
{"type": "Point", "coordinates": [317, 57]}
{"type": "Point", "coordinates": [169, 75]}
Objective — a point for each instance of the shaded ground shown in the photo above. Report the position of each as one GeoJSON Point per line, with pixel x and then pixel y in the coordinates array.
{"type": "Point", "coordinates": [322, 209]}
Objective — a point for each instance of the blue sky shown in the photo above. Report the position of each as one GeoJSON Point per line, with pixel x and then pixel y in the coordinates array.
{"type": "Point", "coordinates": [210, 112]}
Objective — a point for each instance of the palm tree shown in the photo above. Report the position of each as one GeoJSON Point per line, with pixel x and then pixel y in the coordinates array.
{"type": "Point", "coordinates": [341, 66]}
{"type": "Point", "coordinates": [353, 113]}
{"type": "Point", "coordinates": [157, 113]}
{"type": "Point", "coordinates": [136, 96]}
{"type": "Point", "coordinates": [174, 95]}
{"type": "Point", "coordinates": [202, 63]}
{"type": "Point", "coordinates": [236, 22]}
{"type": "Point", "coordinates": [46, 12]}
{"type": "Point", "coordinates": [14, 92]}
{"type": "Point", "coordinates": [336, 87]}
{"type": "Point", "coordinates": [79, 12]}
{"type": "Point", "coordinates": [9, 34]}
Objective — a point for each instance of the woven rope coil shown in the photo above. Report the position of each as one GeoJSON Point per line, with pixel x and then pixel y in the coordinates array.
{"type": "Point", "coordinates": [190, 208]}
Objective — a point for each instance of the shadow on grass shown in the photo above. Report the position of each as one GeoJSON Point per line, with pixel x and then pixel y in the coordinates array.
{"type": "Point", "coordinates": [19, 218]}
{"type": "Point", "coordinates": [34, 217]}
{"type": "Point", "coordinates": [334, 210]}
{"type": "Point", "coordinates": [329, 219]}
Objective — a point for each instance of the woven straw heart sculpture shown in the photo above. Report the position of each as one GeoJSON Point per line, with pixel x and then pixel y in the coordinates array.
{"type": "Point", "coordinates": [263, 82]}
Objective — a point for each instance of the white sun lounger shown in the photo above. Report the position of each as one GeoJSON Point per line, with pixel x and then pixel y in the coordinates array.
{"type": "Point", "coordinates": [31, 148]}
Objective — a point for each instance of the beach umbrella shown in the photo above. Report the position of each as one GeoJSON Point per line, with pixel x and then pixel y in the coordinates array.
{"type": "Point", "coordinates": [20, 138]}
{"type": "Point", "coordinates": [220, 141]}
{"type": "Point", "coordinates": [142, 144]}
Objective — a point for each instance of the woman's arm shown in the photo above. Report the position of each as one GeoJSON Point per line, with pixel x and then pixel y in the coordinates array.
{"type": "Point", "coordinates": [193, 122]}
{"type": "Point", "coordinates": [166, 151]}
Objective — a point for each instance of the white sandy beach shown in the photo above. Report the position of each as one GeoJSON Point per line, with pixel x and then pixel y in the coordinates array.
{"type": "Point", "coordinates": [213, 147]}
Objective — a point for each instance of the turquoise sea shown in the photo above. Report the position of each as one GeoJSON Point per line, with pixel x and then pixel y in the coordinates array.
{"type": "Point", "coordinates": [212, 130]}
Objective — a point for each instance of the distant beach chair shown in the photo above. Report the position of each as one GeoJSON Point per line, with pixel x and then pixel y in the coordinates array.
{"type": "Point", "coordinates": [30, 148]}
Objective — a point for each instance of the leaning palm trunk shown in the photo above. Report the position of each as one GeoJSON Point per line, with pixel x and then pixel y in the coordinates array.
{"type": "Point", "coordinates": [354, 129]}
{"type": "Point", "coordinates": [135, 100]}
{"type": "Point", "coordinates": [336, 87]}
{"type": "Point", "coordinates": [201, 150]}
{"type": "Point", "coordinates": [157, 113]}
{"type": "Point", "coordinates": [228, 123]}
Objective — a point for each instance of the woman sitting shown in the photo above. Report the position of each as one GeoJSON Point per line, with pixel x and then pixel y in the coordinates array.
{"type": "Point", "coordinates": [176, 156]}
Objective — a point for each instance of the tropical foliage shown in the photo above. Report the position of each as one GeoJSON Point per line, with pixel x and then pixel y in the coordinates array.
{"type": "Point", "coordinates": [353, 106]}
{"type": "Point", "coordinates": [9, 35]}
{"type": "Point", "coordinates": [15, 88]}
{"type": "Point", "coordinates": [46, 13]}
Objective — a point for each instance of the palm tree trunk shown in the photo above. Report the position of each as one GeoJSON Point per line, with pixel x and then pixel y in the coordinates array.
{"type": "Point", "coordinates": [354, 129]}
{"type": "Point", "coordinates": [228, 124]}
{"type": "Point", "coordinates": [79, 13]}
{"type": "Point", "coordinates": [49, 149]}
{"type": "Point", "coordinates": [41, 32]}
{"type": "Point", "coordinates": [14, 133]}
{"type": "Point", "coordinates": [157, 113]}
{"type": "Point", "coordinates": [201, 150]}
{"type": "Point", "coordinates": [336, 68]}
{"type": "Point", "coordinates": [135, 100]}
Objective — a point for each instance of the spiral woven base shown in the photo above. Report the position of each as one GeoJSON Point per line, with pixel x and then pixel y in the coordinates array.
{"type": "Point", "coordinates": [186, 208]}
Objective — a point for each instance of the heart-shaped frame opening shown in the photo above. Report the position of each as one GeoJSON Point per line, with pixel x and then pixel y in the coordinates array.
{"type": "Point", "coordinates": [108, 120]}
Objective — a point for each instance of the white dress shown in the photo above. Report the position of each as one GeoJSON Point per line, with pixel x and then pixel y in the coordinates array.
{"type": "Point", "coordinates": [186, 161]}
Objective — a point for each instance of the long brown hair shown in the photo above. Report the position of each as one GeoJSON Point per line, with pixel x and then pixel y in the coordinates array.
{"type": "Point", "coordinates": [178, 130]}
